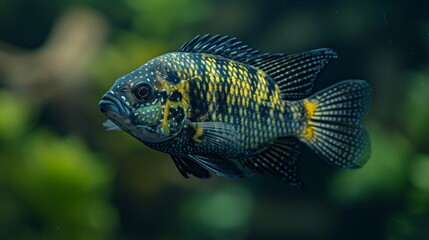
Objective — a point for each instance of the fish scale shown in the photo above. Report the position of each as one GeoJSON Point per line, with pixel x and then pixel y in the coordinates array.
{"type": "Point", "coordinates": [238, 92]}
{"type": "Point", "coordinates": [219, 106]}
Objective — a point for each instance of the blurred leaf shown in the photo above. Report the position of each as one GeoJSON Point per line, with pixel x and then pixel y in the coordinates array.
{"type": "Point", "coordinates": [383, 175]}
{"type": "Point", "coordinates": [128, 52]}
{"type": "Point", "coordinates": [414, 110]}
{"type": "Point", "coordinates": [418, 197]}
{"type": "Point", "coordinates": [420, 173]}
{"type": "Point", "coordinates": [15, 115]}
{"type": "Point", "coordinates": [64, 184]}
{"type": "Point", "coordinates": [220, 213]}
{"type": "Point", "coordinates": [401, 226]}
{"type": "Point", "coordinates": [163, 17]}
{"type": "Point", "coordinates": [353, 23]}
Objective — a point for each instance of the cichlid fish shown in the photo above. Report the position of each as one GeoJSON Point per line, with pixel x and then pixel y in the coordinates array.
{"type": "Point", "coordinates": [219, 106]}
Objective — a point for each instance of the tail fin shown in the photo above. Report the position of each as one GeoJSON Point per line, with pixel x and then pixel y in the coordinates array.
{"type": "Point", "coordinates": [332, 125]}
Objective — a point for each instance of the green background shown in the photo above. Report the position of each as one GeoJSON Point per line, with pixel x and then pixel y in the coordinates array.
{"type": "Point", "coordinates": [62, 176]}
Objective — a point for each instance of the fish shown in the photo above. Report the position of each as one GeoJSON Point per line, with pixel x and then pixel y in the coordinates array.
{"type": "Point", "coordinates": [218, 106]}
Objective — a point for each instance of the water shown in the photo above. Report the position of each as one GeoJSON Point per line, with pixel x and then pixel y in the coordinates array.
{"type": "Point", "coordinates": [62, 176]}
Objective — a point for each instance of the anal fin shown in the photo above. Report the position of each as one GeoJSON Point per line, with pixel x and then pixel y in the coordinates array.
{"type": "Point", "coordinates": [220, 166]}
{"type": "Point", "coordinates": [279, 159]}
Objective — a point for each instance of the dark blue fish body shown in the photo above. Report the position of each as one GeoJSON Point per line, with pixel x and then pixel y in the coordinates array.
{"type": "Point", "coordinates": [217, 105]}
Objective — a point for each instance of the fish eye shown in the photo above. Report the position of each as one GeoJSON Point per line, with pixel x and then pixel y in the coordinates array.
{"type": "Point", "coordinates": [143, 91]}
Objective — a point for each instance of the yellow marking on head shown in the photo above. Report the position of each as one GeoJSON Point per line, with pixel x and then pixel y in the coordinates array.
{"type": "Point", "coordinates": [182, 87]}
{"type": "Point", "coordinates": [164, 124]}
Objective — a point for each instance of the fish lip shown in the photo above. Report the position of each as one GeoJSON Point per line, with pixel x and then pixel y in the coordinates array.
{"type": "Point", "coordinates": [110, 103]}
{"type": "Point", "coordinates": [115, 110]}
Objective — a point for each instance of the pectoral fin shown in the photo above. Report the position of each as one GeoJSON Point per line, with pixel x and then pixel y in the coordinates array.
{"type": "Point", "coordinates": [110, 126]}
{"type": "Point", "coordinates": [216, 137]}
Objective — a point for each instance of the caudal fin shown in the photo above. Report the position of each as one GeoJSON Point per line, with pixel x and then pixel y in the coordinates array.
{"type": "Point", "coordinates": [333, 126]}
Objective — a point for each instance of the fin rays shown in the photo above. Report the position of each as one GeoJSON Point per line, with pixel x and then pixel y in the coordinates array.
{"type": "Point", "coordinates": [334, 129]}
{"type": "Point", "coordinates": [187, 166]}
{"type": "Point", "coordinates": [224, 46]}
{"type": "Point", "coordinates": [279, 159]}
{"type": "Point", "coordinates": [294, 73]}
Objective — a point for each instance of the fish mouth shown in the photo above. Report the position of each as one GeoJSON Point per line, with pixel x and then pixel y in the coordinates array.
{"type": "Point", "coordinates": [121, 116]}
{"type": "Point", "coordinates": [113, 108]}
{"type": "Point", "coordinates": [111, 104]}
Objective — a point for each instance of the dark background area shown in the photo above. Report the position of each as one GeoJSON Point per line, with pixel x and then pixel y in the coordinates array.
{"type": "Point", "coordinates": [62, 176]}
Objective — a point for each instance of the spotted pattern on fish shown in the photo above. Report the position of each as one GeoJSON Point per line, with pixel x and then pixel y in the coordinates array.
{"type": "Point", "coordinates": [219, 106]}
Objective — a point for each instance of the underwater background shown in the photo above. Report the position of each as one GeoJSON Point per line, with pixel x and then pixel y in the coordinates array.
{"type": "Point", "coordinates": [62, 176]}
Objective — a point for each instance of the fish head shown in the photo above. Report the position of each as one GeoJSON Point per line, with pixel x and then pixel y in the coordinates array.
{"type": "Point", "coordinates": [149, 103]}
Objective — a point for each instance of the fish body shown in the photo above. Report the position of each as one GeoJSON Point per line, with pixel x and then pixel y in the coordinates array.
{"type": "Point", "coordinates": [219, 106]}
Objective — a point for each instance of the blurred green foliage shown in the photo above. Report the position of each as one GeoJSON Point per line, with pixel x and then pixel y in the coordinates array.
{"type": "Point", "coordinates": [51, 187]}
{"type": "Point", "coordinates": [63, 177]}
{"type": "Point", "coordinates": [223, 214]}
{"type": "Point", "coordinates": [416, 128]}
{"type": "Point", "coordinates": [384, 177]}
{"type": "Point", "coordinates": [19, 116]}
{"type": "Point", "coordinates": [166, 18]}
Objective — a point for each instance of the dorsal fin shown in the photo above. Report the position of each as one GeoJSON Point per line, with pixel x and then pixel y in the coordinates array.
{"type": "Point", "coordinates": [225, 46]}
{"type": "Point", "coordinates": [294, 73]}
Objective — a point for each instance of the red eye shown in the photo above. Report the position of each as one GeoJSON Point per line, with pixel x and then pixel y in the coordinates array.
{"type": "Point", "coordinates": [143, 91]}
